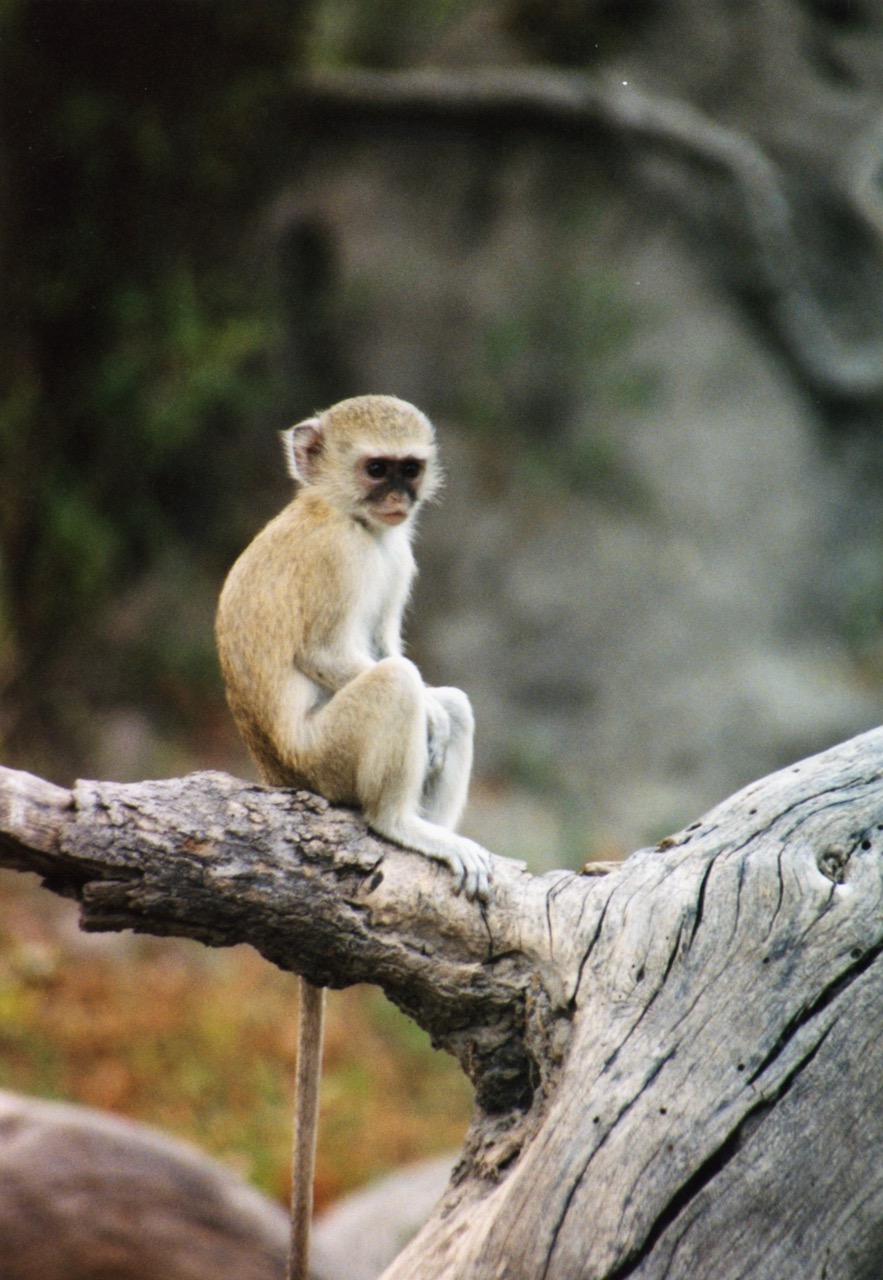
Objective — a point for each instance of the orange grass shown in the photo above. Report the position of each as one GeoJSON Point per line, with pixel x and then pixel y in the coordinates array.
{"type": "Point", "coordinates": [201, 1043]}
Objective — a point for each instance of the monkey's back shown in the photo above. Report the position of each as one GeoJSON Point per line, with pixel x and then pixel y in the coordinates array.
{"type": "Point", "coordinates": [290, 596]}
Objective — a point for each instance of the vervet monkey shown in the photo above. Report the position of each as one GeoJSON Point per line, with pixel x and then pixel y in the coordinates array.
{"type": "Point", "coordinates": [309, 639]}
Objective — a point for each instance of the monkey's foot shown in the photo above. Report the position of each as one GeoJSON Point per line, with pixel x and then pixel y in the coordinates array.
{"type": "Point", "coordinates": [470, 866]}
{"type": "Point", "coordinates": [467, 861]}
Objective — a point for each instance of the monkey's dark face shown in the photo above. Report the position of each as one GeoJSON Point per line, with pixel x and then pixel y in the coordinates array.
{"type": "Point", "coordinates": [390, 486]}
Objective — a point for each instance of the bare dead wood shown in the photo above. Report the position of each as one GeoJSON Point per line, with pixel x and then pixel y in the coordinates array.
{"type": "Point", "coordinates": [832, 356]}
{"type": "Point", "coordinates": [677, 1065]}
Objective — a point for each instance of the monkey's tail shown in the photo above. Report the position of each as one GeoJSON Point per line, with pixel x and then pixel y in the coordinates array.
{"type": "Point", "coordinates": [310, 1029]}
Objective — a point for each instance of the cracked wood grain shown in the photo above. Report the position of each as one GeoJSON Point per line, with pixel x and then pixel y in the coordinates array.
{"type": "Point", "coordinates": [677, 1065]}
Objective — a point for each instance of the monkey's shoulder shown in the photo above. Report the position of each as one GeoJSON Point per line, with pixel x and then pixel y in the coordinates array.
{"type": "Point", "coordinates": [301, 531]}
{"type": "Point", "coordinates": [310, 546]}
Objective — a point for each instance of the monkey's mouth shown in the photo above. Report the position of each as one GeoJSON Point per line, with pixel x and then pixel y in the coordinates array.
{"type": "Point", "coordinates": [395, 515]}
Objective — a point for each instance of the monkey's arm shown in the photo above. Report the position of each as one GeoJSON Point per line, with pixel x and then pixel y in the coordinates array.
{"type": "Point", "coordinates": [388, 642]}
{"type": "Point", "coordinates": [330, 669]}
{"type": "Point", "coordinates": [333, 660]}
{"type": "Point", "coordinates": [338, 631]}
{"type": "Point", "coordinates": [334, 649]}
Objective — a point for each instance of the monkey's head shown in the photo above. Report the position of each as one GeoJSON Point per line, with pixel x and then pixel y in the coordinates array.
{"type": "Point", "coordinates": [372, 457]}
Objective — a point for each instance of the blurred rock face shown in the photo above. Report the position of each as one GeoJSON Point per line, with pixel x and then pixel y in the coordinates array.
{"type": "Point", "coordinates": [85, 1195]}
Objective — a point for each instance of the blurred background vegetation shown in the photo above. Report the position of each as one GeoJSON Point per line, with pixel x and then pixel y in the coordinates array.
{"type": "Point", "coordinates": [141, 382]}
{"type": "Point", "coordinates": [660, 574]}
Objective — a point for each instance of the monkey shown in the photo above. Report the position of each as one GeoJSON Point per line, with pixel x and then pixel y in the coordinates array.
{"type": "Point", "coordinates": [308, 631]}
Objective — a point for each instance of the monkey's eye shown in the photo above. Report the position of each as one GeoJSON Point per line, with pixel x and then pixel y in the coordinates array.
{"type": "Point", "coordinates": [377, 468]}
{"type": "Point", "coordinates": [411, 468]}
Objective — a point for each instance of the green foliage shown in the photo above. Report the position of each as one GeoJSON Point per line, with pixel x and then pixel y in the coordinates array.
{"type": "Point", "coordinates": [137, 346]}
{"type": "Point", "coordinates": [178, 363]}
{"type": "Point", "coordinates": [346, 32]}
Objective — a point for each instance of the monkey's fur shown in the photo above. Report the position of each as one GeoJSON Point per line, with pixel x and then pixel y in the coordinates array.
{"type": "Point", "coordinates": [309, 639]}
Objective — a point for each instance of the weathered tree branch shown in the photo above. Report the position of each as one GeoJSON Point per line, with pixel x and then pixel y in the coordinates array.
{"type": "Point", "coordinates": [838, 363]}
{"type": "Point", "coordinates": [211, 858]}
{"type": "Point", "coordinates": [677, 1065]}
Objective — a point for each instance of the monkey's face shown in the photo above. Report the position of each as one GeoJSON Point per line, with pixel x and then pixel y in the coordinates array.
{"type": "Point", "coordinates": [389, 485]}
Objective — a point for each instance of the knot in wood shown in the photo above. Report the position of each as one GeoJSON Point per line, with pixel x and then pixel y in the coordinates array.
{"type": "Point", "coordinates": [832, 863]}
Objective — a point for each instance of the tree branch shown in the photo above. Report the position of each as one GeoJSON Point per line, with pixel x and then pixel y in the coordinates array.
{"type": "Point", "coordinates": [682, 1054]}
{"type": "Point", "coordinates": [218, 860]}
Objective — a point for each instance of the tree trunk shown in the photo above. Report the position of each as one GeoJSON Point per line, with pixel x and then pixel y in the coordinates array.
{"type": "Point", "coordinates": [676, 1065]}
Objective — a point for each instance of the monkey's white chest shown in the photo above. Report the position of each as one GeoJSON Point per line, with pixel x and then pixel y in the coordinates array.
{"type": "Point", "coordinates": [382, 593]}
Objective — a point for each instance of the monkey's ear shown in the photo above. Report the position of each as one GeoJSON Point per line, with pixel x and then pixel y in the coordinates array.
{"type": "Point", "coordinates": [301, 445]}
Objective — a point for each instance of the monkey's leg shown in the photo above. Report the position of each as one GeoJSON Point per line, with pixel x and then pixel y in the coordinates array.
{"type": "Point", "coordinates": [310, 1027]}
{"type": "Point", "coordinates": [370, 744]}
{"type": "Point", "coordinates": [445, 788]}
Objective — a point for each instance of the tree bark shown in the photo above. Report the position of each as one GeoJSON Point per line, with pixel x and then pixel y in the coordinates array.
{"type": "Point", "coordinates": [677, 1065]}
